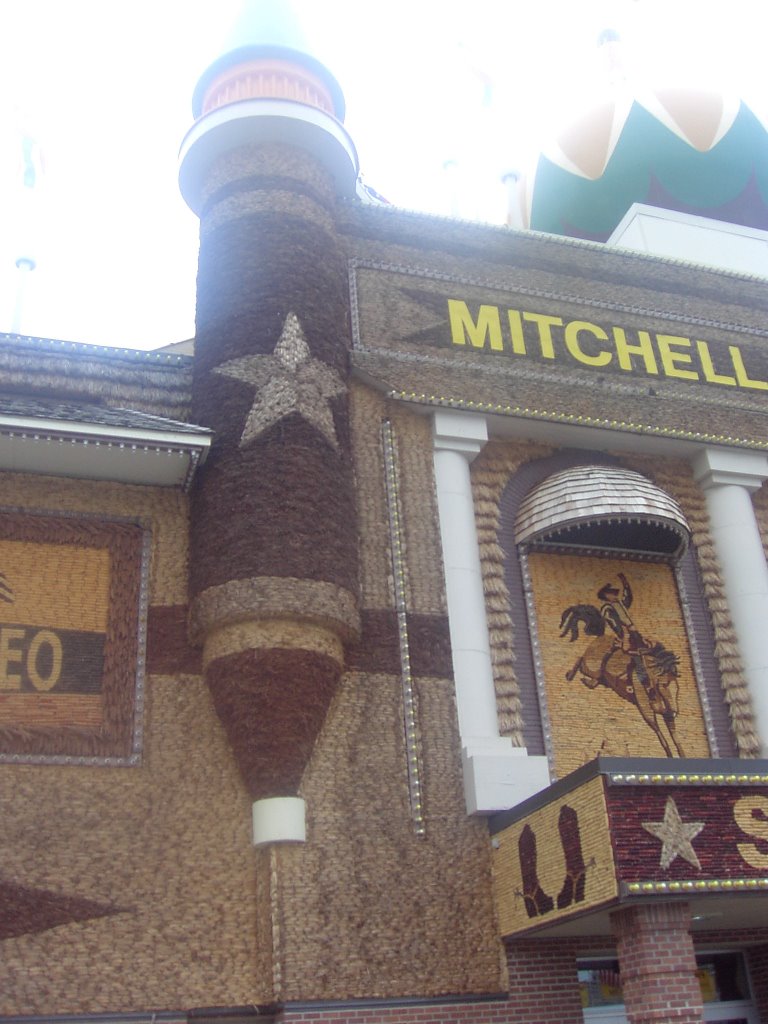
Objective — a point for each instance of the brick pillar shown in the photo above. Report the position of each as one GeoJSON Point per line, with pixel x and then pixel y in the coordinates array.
{"type": "Point", "coordinates": [757, 960]}
{"type": "Point", "coordinates": [658, 964]}
{"type": "Point", "coordinates": [543, 982]}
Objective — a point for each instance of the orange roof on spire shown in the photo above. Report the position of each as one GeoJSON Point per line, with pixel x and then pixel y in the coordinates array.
{"type": "Point", "coordinates": [266, 57]}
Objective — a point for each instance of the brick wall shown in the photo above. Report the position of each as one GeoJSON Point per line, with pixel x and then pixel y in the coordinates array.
{"type": "Point", "coordinates": [543, 984]}
{"type": "Point", "coordinates": [496, 1011]}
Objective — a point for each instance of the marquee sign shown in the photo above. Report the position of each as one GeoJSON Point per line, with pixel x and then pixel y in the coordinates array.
{"type": "Point", "coordinates": [617, 830]}
{"type": "Point", "coordinates": [671, 370]}
{"type": "Point", "coordinates": [70, 624]}
{"type": "Point", "coordinates": [541, 336]}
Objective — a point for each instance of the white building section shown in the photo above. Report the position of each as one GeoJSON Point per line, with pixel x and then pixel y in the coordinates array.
{"type": "Point", "coordinates": [682, 236]}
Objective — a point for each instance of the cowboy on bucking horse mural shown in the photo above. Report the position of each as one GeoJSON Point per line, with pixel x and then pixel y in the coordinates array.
{"type": "Point", "coordinates": [642, 672]}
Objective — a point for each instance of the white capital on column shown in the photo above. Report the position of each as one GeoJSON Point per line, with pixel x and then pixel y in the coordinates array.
{"type": "Point", "coordinates": [728, 478]}
{"type": "Point", "coordinates": [496, 774]}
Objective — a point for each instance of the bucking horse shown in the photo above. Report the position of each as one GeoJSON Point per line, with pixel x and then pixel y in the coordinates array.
{"type": "Point", "coordinates": [647, 677]}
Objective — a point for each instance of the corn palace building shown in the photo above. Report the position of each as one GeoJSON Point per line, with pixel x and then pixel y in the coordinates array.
{"type": "Point", "coordinates": [401, 655]}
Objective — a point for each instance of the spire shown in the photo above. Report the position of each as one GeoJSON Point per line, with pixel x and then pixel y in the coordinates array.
{"type": "Point", "coordinates": [30, 175]}
{"type": "Point", "coordinates": [266, 56]}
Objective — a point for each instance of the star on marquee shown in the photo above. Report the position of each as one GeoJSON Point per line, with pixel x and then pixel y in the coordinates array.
{"type": "Point", "coordinates": [675, 835]}
{"type": "Point", "coordinates": [290, 380]}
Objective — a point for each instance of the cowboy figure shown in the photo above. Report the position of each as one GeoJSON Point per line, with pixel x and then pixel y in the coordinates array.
{"type": "Point", "coordinates": [614, 611]}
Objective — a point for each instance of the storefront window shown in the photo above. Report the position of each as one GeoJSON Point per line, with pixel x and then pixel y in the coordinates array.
{"type": "Point", "coordinates": [722, 977]}
{"type": "Point", "coordinates": [600, 983]}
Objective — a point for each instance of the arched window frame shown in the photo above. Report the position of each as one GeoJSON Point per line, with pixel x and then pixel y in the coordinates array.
{"type": "Point", "coordinates": [528, 661]}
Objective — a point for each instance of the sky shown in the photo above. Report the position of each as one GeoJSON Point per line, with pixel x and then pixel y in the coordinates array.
{"type": "Point", "coordinates": [105, 86]}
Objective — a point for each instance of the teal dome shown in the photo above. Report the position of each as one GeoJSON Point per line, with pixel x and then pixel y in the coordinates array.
{"type": "Point", "coordinates": [678, 149]}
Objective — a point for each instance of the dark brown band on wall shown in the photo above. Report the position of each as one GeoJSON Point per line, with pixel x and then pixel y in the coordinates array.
{"type": "Point", "coordinates": [272, 705]}
{"type": "Point", "coordinates": [269, 166]}
{"type": "Point", "coordinates": [265, 184]}
{"type": "Point", "coordinates": [378, 649]}
{"type": "Point", "coordinates": [168, 648]}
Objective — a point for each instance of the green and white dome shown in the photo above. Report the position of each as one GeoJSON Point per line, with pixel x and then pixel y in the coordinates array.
{"type": "Point", "coordinates": [678, 148]}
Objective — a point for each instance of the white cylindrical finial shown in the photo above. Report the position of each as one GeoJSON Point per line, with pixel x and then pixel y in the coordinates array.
{"type": "Point", "coordinates": [279, 819]}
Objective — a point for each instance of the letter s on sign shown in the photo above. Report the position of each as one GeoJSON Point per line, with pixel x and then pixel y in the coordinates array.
{"type": "Point", "coordinates": [744, 816]}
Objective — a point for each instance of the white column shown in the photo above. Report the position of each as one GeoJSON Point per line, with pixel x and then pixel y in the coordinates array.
{"type": "Point", "coordinates": [497, 775]}
{"type": "Point", "coordinates": [728, 478]}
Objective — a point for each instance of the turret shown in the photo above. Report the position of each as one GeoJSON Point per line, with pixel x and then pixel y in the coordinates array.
{"type": "Point", "coordinates": [273, 534]}
{"type": "Point", "coordinates": [266, 87]}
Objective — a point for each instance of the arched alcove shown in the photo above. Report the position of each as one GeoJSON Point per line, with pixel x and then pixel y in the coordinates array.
{"type": "Point", "coordinates": [583, 505]}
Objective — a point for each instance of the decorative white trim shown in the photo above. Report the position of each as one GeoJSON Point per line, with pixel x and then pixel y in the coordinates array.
{"type": "Point", "coordinates": [93, 452]}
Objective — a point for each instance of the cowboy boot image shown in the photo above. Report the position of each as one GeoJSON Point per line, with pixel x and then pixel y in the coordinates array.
{"type": "Point", "coordinates": [536, 900]}
{"type": "Point", "coordinates": [575, 869]}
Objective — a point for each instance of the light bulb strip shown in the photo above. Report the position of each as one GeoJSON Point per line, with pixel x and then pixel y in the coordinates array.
{"type": "Point", "coordinates": [397, 547]}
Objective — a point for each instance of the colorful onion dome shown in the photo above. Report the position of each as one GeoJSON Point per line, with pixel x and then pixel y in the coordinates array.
{"type": "Point", "coordinates": [678, 148]}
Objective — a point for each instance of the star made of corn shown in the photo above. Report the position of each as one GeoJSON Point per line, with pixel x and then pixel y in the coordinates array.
{"type": "Point", "coordinates": [676, 835]}
{"type": "Point", "coordinates": [290, 380]}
